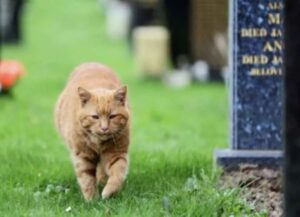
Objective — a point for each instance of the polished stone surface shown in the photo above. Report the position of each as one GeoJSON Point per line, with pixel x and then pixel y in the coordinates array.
{"type": "Point", "coordinates": [256, 108]}
{"type": "Point", "coordinates": [256, 63]}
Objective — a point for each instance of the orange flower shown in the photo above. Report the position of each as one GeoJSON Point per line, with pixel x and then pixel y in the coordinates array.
{"type": "Point", "coordinates": [10, 72]}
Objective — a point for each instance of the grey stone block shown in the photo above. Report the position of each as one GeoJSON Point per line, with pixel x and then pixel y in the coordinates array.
{"type": "Point", "coordinates": [231, 159]}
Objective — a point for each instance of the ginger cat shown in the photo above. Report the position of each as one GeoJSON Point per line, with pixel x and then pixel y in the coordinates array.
{"type": "Point", "coordinates": [93, 117]}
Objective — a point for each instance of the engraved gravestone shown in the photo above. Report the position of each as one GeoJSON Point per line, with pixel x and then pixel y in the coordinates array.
{"type": "Point", "coordinates": [256, 63]}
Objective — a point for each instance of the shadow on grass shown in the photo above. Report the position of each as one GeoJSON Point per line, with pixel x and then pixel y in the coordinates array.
{"type": "Point", "coordinates": [6, 94]}
{"type": "Point", "coordinates": [144, 180]}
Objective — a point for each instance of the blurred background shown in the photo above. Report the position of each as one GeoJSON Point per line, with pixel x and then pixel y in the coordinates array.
{"type": "Point", "coordinates": [171, 54]}
{"type": "Point", "coordinates": [187, 38]}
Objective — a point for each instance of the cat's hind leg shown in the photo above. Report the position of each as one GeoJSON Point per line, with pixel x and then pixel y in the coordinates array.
{"type": "Point", "coordinates": [101, 174]}
{"type": "Point", "coordinates": [116, 169]}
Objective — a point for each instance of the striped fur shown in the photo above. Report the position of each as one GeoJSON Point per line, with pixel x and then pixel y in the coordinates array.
{"type": "Point", "coordinates": [92, 116]}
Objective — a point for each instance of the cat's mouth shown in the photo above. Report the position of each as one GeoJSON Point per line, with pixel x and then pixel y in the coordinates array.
{"type": "Point", "coordinates": [103, 135]}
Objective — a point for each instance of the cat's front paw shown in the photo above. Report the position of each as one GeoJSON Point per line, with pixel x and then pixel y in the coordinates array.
{"type": "Point", "coordinates": [109, 190]}
{"type": "Point", "coordinates": [106, 193]}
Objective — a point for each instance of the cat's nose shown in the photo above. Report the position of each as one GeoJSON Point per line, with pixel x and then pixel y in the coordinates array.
{"type": "Point", "coordinates": [104, 129]}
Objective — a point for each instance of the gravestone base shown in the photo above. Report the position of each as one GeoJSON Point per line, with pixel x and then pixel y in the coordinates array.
{"type": "Point", "coordinates": [230, 159]}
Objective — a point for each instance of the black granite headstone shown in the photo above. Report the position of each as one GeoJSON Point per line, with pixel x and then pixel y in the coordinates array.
{"type": "Point", "coordinates": [292, 105]}
{"type": "Point", "coordinates": [256, 84]}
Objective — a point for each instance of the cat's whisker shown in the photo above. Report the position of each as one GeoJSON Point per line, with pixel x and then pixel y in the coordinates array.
{"type": "Point", "coordinates": [121, 132]}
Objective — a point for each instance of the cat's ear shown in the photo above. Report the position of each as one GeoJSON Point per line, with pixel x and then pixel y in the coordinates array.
{"type": "Point", "coordinates": [120, 94]}
{"type": "Point", "coordinates": [84, 95]}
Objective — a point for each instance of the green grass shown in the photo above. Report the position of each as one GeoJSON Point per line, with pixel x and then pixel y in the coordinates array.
{"type": "Point", "coordinates": [173, 137]}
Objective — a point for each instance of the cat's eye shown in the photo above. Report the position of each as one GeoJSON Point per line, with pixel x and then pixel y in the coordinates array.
{"type": "Point", "coordinates": [95, 117]}
{"type": "Point", "coordinates": [112, 116]}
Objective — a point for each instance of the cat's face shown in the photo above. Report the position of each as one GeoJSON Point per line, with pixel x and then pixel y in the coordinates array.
{"type": "Point", "coordinates": [103, 113]}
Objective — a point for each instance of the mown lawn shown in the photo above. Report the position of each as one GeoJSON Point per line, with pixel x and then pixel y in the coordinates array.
{"type": "Point", "coordinates": [174, 131]}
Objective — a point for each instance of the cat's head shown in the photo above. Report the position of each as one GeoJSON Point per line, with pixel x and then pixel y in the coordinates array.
{"type": "Point", "coordinates": [103, 113]}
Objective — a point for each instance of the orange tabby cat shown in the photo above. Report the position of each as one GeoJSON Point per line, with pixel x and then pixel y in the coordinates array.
{"type": "Point", "coordinates": [92, 116]}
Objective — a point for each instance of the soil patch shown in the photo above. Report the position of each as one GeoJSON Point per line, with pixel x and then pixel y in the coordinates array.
{"type": "Point", "coordinates": [260, 186]}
